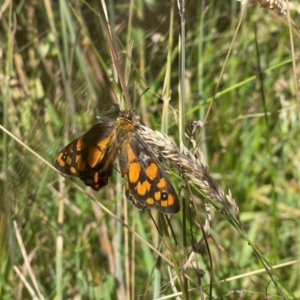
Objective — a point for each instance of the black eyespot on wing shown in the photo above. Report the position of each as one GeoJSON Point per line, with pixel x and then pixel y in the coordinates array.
{"type": "Point", "coordinates": [164, 196]}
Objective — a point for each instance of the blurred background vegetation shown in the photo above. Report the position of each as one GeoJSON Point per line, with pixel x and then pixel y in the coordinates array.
{"type": "Point", "coordinates": [56, 76]}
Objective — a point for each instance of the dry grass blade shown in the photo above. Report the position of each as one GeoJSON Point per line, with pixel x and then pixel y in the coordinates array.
{"type": "Point", "coordinates": [191, 166]}
{"type": "Point", "coordinates": [28, 266]}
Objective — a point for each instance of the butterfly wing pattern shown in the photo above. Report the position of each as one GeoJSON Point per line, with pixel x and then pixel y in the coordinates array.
{"type": "Point", "coordinates": [86, 157]}
{"type": "Point", "coordinates": [147, 183]}
{"type": "Point", "coordinates": [91, 158]}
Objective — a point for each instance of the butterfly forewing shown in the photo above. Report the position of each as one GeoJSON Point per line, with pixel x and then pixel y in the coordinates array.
{"type": "Point", "coordinates": [147, 184]}
{"type": "Point", "coordinates": [87, 157]}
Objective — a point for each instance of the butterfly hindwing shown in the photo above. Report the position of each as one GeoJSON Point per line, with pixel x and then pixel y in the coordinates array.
{"type": "Point", "coordinates": [86, 157]}
{"type": "Point", "coordinates": [148, 186]}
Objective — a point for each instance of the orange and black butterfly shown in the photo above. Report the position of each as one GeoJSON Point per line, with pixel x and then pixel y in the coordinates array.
{"type": "Point", "coordinates": [91, 158]}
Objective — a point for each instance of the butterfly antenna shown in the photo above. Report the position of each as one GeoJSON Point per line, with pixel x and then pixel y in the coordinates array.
{"type": "Point", "coordinates": [144, 92]}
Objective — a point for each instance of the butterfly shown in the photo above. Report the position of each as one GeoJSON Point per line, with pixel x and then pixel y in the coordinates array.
{"type": "Point", "coordinates": [91, 158]}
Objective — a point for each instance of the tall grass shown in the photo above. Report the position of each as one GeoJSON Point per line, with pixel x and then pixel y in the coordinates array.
{"type": "Point", "coordinates": [61, 240]}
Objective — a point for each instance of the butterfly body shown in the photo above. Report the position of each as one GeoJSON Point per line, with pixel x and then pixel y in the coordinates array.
{"type": "Point", "coordinates": [91, 158]}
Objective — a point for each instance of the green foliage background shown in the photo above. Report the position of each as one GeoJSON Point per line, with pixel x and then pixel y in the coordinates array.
{"type": "Point", "coordinates": [55, 71]}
